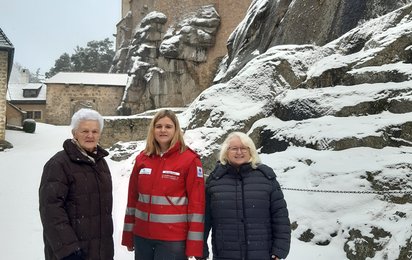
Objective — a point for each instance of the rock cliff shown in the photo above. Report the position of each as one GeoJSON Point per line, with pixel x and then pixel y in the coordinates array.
{"type": "Point", "coordinates": [320, 85]}
{"type": "Point", "coordinates": [280, 22]}
{"type": "Point", "coordinates": [161, 63]}
{"type": "Point", "coordinates": [324, 93]}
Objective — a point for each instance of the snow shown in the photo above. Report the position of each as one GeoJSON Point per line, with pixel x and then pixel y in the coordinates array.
{"type": "Point", "coordinates": [334, 128]}
{"type": "Point", "coordinates": [329, 213]}
{"type": "Point", "coordinates": [15, 91]}
{"type": "Point", "coordinates": [154, 15]}
{"type": "Point", "coordinates": [327, 192]}
{"type": "Point", "coordinates": [88, 78]}
{"type": "Point", "coordinates": [169, 44]}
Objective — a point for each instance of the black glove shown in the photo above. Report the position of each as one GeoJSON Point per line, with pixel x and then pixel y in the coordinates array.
{"type": "Point", "coordinates": [75, 256]}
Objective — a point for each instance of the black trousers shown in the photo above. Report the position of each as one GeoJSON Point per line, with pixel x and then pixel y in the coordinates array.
{"type": "Point", "coordinates": [149, 249]}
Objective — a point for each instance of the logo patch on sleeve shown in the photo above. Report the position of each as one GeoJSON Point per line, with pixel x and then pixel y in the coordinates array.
{"type": "Point", "coordinates": [199, 172]}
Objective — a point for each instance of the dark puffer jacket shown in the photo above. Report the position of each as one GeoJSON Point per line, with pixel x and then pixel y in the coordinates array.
{"type": "Point", "coordinates": [75, 198]}
{"type": "Point", "coordinates": [247, 213]}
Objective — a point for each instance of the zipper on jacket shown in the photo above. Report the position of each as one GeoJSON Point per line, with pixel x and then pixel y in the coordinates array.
{"type": "Point", "coordinates": [94, 166]}
{"type": "Point", "coordinates": [244, 220]}
{"type": "Point", "coordinates": [243, 249]}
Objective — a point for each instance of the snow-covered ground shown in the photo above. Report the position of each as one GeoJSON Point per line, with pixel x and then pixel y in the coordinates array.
{"type": "Point", "coordinates": [329, 193]}
{"type": "Point", "coordinates": [328, 214]}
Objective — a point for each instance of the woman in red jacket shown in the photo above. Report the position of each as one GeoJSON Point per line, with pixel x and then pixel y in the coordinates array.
{"type": "Point", "coordinates": [165, 207]}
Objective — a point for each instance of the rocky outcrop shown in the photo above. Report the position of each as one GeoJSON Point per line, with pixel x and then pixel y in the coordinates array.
{"type": "Point", "coordinates": [191, 37]}
{"type": "Point", "coordinates": [5, 145]}
{"type": "Point", "coordinates": [307, 81]}
{"type": "Point", "coordinates": [366, 82]}
{"type": "Point", "coordinates": [161, 64]}
{"type": "Point", "coordinates": [354, 92]}
{"type": "Point", "coordinates": [271, 23]}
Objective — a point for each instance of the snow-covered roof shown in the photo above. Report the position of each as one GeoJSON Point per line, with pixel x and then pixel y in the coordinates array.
{"type": "Point", "coordinates": [6, 45]}
{"type": "Point", "coordinates": [15, 91]}
{"type": "Point", "coordinates": [88, 78]}
{"type": "Point", "coordinates": [4, 41]}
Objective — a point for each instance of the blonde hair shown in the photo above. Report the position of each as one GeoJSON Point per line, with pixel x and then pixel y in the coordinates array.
{"type": "Point", "coordinates": [152, 146]}
{"type": "Point", "coordinates": [246, 141]}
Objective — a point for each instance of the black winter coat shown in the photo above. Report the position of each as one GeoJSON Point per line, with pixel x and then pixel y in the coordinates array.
{"type": "Point", "coordinates": [247, 213]}
{"type": "Point", "coordinates": [75, 198]}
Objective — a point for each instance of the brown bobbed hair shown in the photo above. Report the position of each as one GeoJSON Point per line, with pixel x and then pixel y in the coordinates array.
{"type": "Point", "coordinates": [152, 147]}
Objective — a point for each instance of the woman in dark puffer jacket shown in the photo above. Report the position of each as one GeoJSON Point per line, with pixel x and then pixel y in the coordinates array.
{"type": "Point", "coordinates": [245, 207]}
{"type": "Point", "coordinates": [75, 196]}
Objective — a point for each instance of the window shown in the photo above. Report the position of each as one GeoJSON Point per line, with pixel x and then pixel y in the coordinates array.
{"type": "Point", "coordinates": [30, 93]}
{"type": "Point", "coordinates": [34, 114]}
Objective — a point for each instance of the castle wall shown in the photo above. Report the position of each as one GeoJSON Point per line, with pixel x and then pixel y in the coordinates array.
{"type": "Point", "coordinates": [124, 129]}
{"type": "Point", "coordinates": [64, 100]}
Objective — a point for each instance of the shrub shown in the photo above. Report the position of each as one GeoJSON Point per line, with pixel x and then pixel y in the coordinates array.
{"type": "Point", "coordinates": [29, 125]}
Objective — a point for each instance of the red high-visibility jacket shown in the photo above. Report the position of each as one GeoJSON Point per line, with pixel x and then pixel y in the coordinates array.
{"type": "Point", "coordinates": [166, 199]}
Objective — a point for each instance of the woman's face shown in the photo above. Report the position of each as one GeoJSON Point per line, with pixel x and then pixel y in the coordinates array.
{"type": "Point", "coordinates": [237, 153]}
{"type": "Point", "coordinates": [164, 131]}
{"type": "Point", "coordinates": [87, 134]}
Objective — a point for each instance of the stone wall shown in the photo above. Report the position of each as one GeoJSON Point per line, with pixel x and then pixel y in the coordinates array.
{"type": "Point", "coordinates": [126, 129]}
{"type": "Point", "coordinates": [33, 107]}
{"type": "Point", "coordinates": [14, 116]}
{"type": "Point", "coordinates": [3, 89]}
{"type": "Point", "coordinates": [129, 128]}
{"type": "Point", "coordinates": [64, 100]}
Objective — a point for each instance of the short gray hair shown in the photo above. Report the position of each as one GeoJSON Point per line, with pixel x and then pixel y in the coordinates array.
{"type": "Point", "coordinates": [246, 141]}
{"type": "Point", "coordinates": [85, 114]}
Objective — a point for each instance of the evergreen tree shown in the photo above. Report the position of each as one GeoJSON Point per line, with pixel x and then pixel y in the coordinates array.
{"type": "Point", "coordinates": [97, 56]}
{"type": "Point", "coordinates": [61, 64]}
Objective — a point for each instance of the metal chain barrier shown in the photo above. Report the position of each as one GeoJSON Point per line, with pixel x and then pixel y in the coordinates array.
{"type": "Point", "coordinates": [352, 191]}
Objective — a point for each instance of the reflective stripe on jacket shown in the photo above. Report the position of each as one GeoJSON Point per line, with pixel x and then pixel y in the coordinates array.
{"type": "Point", "coordinates": [166, 199]}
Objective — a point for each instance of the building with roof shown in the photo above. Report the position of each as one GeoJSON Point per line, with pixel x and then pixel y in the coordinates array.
{"type": "Point", "coordinates": [6, 61]}
{"type": "Point", "coordinates": [67, 92]}
{"type": "Point", "coordinates": [27, 97]}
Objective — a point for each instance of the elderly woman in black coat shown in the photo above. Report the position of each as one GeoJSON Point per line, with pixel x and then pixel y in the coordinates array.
{"type": "Point", "coordinates": [245, 207]}
{"type": "Point", "coordinates": [75, 195]}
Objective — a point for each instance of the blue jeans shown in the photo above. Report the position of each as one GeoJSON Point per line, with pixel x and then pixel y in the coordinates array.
{"type": "Point", "coordinates": [149, 249]}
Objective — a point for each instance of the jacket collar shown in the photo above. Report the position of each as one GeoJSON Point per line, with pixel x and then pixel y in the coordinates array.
{"type": "Point", "coordinates": [221, 169]}
{"type": "Point", "coordinates": [175, 148]}
{"type": "Point", "coordinates": [75, 154]}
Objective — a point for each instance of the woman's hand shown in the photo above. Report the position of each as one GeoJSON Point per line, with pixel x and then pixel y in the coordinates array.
{"type": "Point", "coordinates": [275, 257]}
{"type": "Point", "coordinates": [130, 248]}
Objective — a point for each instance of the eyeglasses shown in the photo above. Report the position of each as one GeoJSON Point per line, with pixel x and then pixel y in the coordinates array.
{"type": "Point", "coordinates": [235, 149]}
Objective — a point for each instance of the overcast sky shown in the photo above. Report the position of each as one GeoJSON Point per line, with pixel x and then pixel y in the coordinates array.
{"type": "Point", "coordinates": [42, 30]}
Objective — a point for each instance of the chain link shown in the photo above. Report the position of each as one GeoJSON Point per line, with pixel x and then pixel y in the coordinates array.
{"type": "Point", "coordinates": [351, 191]}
